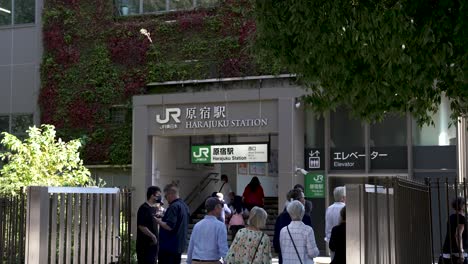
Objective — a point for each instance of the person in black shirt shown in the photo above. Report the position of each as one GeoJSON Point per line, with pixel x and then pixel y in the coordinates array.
{"type": "Point", "coordinates": [307, 204]}
{"type": "Point", "coordinates": [456, 240]}
{"type": "Point", "coordinates": [147, 231]}
{"type": "Point", "coordinates": [337, 242]}
{"type": "Point", "coordinates": [174, 227]}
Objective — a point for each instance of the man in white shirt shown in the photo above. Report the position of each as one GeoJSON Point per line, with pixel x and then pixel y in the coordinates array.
{"type": "Point", "coordinates": [225, 188]}
{"type": "Point", "coordinates": [332, 216]}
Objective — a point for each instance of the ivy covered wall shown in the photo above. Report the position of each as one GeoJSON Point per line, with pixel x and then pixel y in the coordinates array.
{"type": "Point", "coordinates": [94, 60]}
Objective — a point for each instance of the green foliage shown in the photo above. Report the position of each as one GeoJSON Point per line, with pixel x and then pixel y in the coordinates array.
{"type": "Point", "coordinates": [41, 160]}
{"type": "Point", "coordinates": [373, 57]}
{"type": "Point", "coordinates": [94, 60]}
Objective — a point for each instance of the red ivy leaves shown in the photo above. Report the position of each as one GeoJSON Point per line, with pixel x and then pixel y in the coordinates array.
{"type": "Point", "coordinates": [247, 31]}
{"type": "Point", "coordinates": [135, 83]}
{"type": "Point", "coordinates": [53, 38]}
{"type": "Point", "coordinates": [129, 50]}
{"type": "Point", "coordinates": [192, 20]}
{"type": "Point", "coordinates": [96, 152]}
{"type": "Point", "coordinates": [82, 114]}
{"type": "Point", "coordinates": [47, 100]}
{"type": "Point", "coordinates": [238, 66]}
{"type": "Point", "coordinates": [54, 43]}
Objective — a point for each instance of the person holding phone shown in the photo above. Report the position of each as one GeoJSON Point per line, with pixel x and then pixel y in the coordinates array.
{"type": "Point", "coordinates": [147, 229]}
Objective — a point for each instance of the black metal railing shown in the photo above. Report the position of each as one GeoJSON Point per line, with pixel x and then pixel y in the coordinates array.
{"type": "Point", "coordinates": [12, 227]}
{"type": "Point", "coordinates": [443, 191]}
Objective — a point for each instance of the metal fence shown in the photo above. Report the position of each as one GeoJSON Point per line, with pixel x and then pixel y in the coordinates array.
{"type": "Point", "coordinates": [66, 225]}
{"type": "Point", "coordinates": [12, 227]}
{"type": "Point", "coordinates": [443, 191]}
{"type": "Point", "coordinates": [386, 222]}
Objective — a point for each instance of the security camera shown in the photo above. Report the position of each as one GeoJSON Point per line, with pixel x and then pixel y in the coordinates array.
{"type": "Point", "coordinates": [297, 103]}
{"type": "Point", "coordinates": [301, 170]}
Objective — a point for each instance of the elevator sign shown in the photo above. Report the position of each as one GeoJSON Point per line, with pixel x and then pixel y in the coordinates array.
{"type": "Point", "coordinates": [229, 153]}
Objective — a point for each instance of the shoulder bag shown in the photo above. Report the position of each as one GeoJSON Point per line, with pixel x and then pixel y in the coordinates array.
{"type": "Point", "coordinates": [255, 254]}
{"type": "Point", "coordinates": [297, 252]}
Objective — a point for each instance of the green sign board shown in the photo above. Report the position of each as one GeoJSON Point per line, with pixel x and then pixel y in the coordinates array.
{"type": "Point", "coordinates": [315, 184]}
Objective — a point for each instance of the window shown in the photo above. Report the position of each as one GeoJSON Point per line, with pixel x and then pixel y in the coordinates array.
{"type": "Point", "coordinates": [4, 124]}
{"type": "Point", "coordinates": [16, 12]}
{"type": "Point", "coordinates": [315, 129]}
{"type": "Point", "coordinates": [20, 123]}
{"type": "Point", "coordinates": [136, 7]}
{"type": "Point", "coordinates": [439, 134]}
{"type": "Point", "coordinates": [118, 114]}
{"type": "Point", "coordinates": [388, 146]}
{"type": "Point", "coordinates": [347, 150]}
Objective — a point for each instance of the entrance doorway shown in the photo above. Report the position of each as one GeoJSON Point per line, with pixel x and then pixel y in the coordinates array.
{"type": "Point", "coordinates": [172, 163]}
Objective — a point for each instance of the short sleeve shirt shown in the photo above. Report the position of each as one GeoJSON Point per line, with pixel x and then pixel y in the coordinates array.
{"type": "Point", "coordinates": [145, 218]}
{"type": "Point", "coordinates": [177, 218]}
{"type": "Point", "coordinates": [454, 220]}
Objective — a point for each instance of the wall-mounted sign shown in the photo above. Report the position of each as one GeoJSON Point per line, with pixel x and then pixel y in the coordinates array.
{"type": "Point", "coordinates": [389, 158]}
{"type": "Point", "coordinates": [233, 153]}
{"type": "Point", "coordinates": [315, 185]}
{"type": "Point", "coordinates": [354, 158]}
{"type": "Point", "coordinates": [347, 158]}
{"type": "Point", "coordinates": [203, 117]}
{"type": "Point", "coordinates": [214, 118]}
{"type": "Point", "coordinates": [314, 159]}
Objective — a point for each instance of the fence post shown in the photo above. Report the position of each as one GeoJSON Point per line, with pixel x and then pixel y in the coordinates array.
{"type": "Point", "coordinates": [37, 225]}
{"type": "Point", "coordinates": [356, 224]}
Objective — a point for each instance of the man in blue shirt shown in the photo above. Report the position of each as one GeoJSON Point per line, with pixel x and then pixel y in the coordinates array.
{"type": "Point", "coordinates": [173, 227]}
{"type": "Point", "coordinates": [208, 243]}
{"type": "Point", "coordinates": [284, 219]}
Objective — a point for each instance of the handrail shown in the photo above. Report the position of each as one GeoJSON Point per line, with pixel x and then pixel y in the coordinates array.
{"type": "Point", "coordinates": [200, 187]}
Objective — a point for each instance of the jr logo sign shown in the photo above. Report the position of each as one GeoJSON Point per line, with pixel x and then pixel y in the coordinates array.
{"type": "Point", "coordinates": [201, 154]}
{"type": "Point", "coordinates": [173, 113]}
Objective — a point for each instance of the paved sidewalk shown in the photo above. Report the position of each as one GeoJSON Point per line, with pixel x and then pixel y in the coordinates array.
{"type": "Point", "coordinates": [184, 258]}
{"type": "Point", "coordinates": [275, 260]}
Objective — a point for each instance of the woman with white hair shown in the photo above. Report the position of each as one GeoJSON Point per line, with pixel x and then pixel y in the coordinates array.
{"type": "Point", "coordinates": [297, 240]}
{"type": "Point", "coordinates": [250, 244]}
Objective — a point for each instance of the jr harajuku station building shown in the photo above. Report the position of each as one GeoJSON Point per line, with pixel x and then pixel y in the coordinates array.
{"type": "Point", "coordinates": [258, 126]}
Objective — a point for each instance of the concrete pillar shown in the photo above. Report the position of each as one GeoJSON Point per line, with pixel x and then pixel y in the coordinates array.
{"type": "Point", "coordinates": [286, 127]}
{"type": "Point", "coordinates": [141, 160]}
{"type": "Point", "coordinates": [37, 226]}
{"type": "Point", "coordinates": [462, 147]}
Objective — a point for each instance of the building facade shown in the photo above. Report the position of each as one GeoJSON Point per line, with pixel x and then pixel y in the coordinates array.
{"type": "Point", "coordinates": [20, 59]}
{"type": "Point", "coordinates": [113, 89]}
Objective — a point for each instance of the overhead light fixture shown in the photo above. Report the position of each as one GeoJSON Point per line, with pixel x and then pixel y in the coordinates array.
{"type": "Point", "coordinates": [5, 10]}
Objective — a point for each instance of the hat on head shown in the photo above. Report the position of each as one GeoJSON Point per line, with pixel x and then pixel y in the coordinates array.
{"type": "Point", "coordinates": [210, 203]}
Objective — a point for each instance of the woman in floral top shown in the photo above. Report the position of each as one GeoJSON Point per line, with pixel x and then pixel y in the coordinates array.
{"type": "Point", "coordinates": [250, 244]}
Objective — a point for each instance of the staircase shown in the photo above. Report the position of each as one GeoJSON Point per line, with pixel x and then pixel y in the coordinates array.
{"type": "Point", "coordinates": [271, 207]}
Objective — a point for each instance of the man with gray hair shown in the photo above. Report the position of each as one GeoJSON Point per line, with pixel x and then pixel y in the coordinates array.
{"type": "Point", "coordinates": [173, 227]}
{"type": "Point", "coordinates": [332, 216]}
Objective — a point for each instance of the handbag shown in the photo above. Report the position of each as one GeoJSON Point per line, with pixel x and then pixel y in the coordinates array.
{"type": "Point", "coordinates": [255, 254]}
{"type": "Point", "coordinates": [294, 244]}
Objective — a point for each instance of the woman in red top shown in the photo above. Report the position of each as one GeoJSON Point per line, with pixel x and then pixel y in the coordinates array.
{"type": "Point", "coordinates": [253, 194]}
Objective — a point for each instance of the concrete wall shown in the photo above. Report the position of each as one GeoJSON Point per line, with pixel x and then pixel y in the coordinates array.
{"type": "Point", "coordinates": [275, 102]}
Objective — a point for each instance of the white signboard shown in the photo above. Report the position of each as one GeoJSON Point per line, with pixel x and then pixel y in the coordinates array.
{"type": "Point", "coordinates": [229, 153]}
